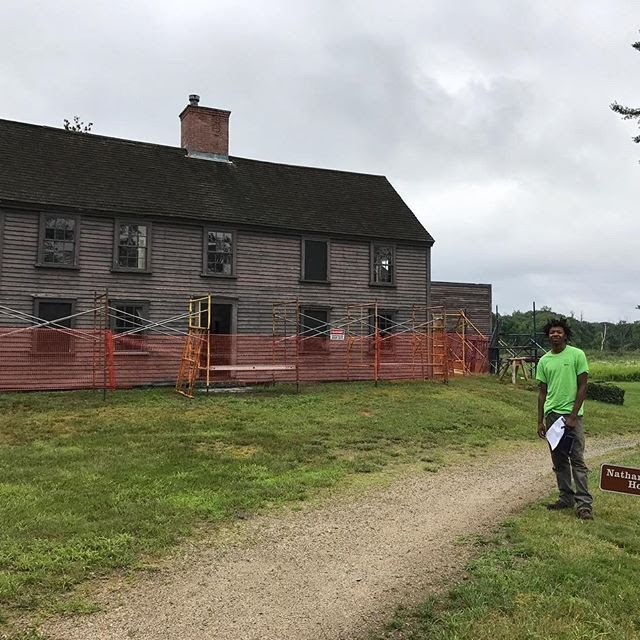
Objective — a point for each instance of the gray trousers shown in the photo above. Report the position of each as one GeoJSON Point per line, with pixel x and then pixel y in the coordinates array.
{"type": "Point", "coordinates": [564, 466]}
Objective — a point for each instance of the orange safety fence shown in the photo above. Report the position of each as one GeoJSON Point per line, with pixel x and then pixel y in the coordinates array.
{"type": "Point", "coordinates": [50, 359]}
{"type": "Point", "coordinates": [473, 351]}
{"type": "Point", "coordinates": [318, 359]}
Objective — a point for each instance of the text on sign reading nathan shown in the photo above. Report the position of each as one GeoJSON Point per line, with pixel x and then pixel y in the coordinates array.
{"type": "Point", "coordinates": [620, 479]}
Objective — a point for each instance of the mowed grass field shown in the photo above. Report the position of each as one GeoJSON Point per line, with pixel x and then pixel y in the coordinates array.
{"type": "Point", "coordinates": [546, 575]}
{"type": "Point", "coordinates": [90, 487]}
{"type": "Point", "coordinates": [543, 576]}
{"type": "Point", "coordinates": [614, 367]}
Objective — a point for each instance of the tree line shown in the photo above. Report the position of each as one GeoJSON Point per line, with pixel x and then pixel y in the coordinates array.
{"type": "Point", "coordinates": [593, 336]}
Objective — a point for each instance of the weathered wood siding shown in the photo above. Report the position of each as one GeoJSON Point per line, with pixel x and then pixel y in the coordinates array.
{"type": "Point", "coordinates": [268, 269]}
{"type": "Point", "coordinates": [473, 299]}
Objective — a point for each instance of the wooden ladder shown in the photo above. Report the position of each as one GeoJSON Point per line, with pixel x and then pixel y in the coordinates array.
{"type": "Point", "coordinates": [439, 347]}
{"type": "Point", "coordinates": [190, 363]}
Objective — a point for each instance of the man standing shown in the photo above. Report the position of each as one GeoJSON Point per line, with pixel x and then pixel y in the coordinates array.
{"type": "Point", "coordinates": [562, 374]}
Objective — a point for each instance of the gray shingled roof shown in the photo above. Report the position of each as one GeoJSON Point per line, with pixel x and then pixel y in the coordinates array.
{"type": "Point", "coordinates": [47, 166]}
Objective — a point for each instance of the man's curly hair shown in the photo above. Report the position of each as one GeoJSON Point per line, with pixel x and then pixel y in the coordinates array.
{"type": "Point", "coordinates": [558, 322]}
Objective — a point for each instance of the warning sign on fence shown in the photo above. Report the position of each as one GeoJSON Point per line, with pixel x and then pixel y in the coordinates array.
{"type": "Point", "coordinates": [620, 479]}
{"type": "Point", "coordinates": [336, 334]}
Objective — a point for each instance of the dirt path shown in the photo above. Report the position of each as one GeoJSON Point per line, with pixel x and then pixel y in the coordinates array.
{"type": "Point", "coordinates": [333, 572]}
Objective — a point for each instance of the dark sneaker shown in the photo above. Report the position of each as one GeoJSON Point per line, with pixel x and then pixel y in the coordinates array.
{"type": "Point", "coordinates": [585, 514]}
{"type": "Point", "coordinates": [557, 505]}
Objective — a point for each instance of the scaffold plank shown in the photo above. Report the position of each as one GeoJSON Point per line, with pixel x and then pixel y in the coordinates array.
{"type": "Point", "coordinates": [252, 367]}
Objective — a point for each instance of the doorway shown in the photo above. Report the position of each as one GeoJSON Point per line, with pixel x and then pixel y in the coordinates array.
{"type": "Point", "coordinates": [222, 339]}
{"type": "Point", "coordinates": [221, 318]}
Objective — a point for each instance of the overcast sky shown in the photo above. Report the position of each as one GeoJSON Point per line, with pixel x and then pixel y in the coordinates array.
{"type": "Point", "coordinates": [491, 118]}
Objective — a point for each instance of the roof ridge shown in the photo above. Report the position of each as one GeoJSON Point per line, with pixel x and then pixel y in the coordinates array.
{"type": "Point", "coordinates": [129, 141]}
{"type": "Point", "coordinates": [63, 131]}
{"type": "Point", "coordinates": [304, 166]}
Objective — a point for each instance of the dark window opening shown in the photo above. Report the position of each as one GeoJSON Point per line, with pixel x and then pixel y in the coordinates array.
{"type": "Point", "coordinates": [128, 318]}
{"type": "Point", "coordinates": [316, 260]}
{"type": "Point", "coordinates": [314, 330]}
{"type": "Point", "coordinates": [53, 338]}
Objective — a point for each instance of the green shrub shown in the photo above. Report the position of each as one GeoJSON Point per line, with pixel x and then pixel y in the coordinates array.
{"type": "Point", "coordinates": [605, 392]}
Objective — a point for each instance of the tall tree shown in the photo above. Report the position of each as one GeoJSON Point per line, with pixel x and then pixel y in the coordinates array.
{"type": "Point", "coordinates": [629, 113]}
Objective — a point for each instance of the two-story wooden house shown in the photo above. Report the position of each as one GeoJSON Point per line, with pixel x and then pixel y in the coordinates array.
{"type": "Point", "coordinates": [155, 225]}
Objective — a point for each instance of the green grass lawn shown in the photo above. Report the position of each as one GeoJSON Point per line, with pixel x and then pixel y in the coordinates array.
{"type": "Point", "coordinates": [614, 367]}
{"type": "Point", "coordinates": [88, 487]}
{"type": "Point", "coordinates": [545, 575]}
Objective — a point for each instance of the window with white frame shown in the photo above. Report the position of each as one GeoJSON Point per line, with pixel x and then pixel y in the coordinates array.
{"type": "Point", "coordinates": [58, 245]}
{"type": "Point", "coordinates": [383, 264]}
{"type": "Point", "coordinates": [131, 246]}
{"type": "Point", "coordinates": [219, 252]}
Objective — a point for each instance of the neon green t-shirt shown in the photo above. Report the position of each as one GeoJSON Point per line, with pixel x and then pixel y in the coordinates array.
{"type": "Point", "coordinates": [560, 371]}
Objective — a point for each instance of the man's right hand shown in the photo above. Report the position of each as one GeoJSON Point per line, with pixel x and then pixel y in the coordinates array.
{"type": "Point", "coordinates": [542, 430]}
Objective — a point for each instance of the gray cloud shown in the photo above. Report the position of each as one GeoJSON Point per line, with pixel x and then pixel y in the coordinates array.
{"type": "Point", "coordinates": [490, 117]}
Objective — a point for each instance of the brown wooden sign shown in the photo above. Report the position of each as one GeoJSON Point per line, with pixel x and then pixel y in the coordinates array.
{"type": "Point", "coordinates": [620, 479]}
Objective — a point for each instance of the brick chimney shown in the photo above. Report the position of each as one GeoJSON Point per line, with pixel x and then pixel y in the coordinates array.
{"type": "Point", "coordinates": [205, 131]}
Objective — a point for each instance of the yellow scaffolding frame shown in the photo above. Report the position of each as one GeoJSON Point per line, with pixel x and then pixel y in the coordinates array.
{"type": "Point", "coordinates": [198, 337]}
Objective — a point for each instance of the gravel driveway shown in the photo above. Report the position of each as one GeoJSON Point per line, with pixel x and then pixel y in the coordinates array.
{"type": "Point", "coordinates": [334, 571]}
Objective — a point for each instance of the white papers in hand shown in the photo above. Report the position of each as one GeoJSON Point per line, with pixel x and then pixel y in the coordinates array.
{"type": "Point", "coordinates": [555, 433]}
